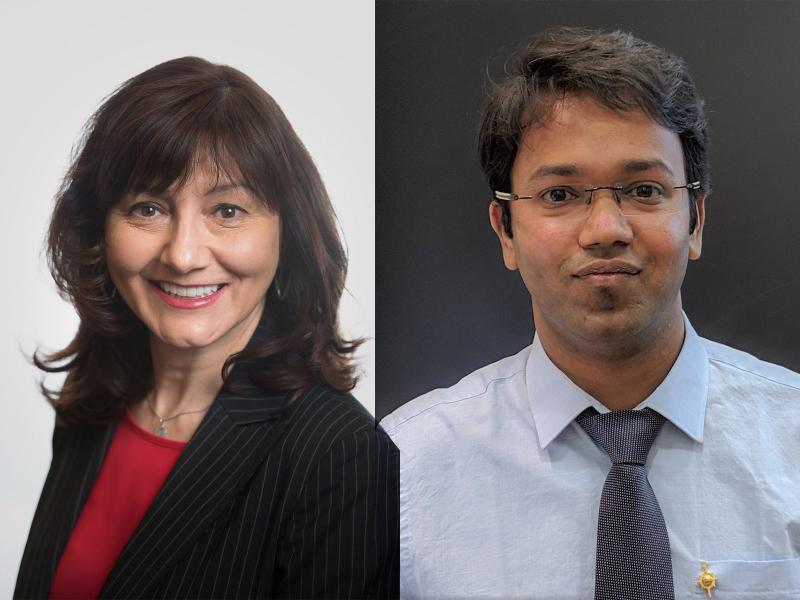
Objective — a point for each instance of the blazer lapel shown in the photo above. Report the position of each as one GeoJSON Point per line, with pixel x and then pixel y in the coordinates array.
{"type": "Point", "coordinates": [227, 448]}
{"type": "Point", "coordinates": [78, 454]}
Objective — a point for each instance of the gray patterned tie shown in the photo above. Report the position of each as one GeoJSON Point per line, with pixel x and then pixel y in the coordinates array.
{"type": "Point", "coordinates": [633, 559]}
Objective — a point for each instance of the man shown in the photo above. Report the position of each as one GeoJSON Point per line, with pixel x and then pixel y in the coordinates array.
{"type": "Point", "coordinates": [620, 454]}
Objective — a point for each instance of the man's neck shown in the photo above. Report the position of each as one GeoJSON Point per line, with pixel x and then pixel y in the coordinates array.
{"type": "Point", "coordinates": [619, 378]}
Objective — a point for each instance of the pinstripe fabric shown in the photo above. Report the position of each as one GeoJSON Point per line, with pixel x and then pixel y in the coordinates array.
{"type": "Point", "coordinates": [264, 501]}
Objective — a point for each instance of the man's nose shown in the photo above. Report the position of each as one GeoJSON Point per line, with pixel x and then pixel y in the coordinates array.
{"type": "Point", "coordinates": [605, 225]}
{"type": "Point", "coordinates": [186, 247]}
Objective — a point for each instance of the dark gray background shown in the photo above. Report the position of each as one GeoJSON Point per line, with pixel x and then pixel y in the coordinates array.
{"type": "Point", "coordinates": [445, 303]}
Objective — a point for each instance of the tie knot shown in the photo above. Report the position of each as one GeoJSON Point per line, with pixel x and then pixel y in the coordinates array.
{"type": "Point", "coordinates": [625, 435]}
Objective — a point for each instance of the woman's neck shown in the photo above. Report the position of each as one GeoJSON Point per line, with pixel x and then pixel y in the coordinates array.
{"type": "Point", "coordinates": [186, 380]}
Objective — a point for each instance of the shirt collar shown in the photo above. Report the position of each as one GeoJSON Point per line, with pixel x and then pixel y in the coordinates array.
{"type": "Point", "coordinates": [555, 400]}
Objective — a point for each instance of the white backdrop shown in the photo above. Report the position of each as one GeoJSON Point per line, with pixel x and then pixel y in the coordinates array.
{"type": "Point", "coordinates": [59, 60]}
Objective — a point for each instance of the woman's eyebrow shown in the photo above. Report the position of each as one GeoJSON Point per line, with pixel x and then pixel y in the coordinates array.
{"type": "Point", "coordinates": [221, 188]}
{"type": "Point", "coordinates": [214, 190]}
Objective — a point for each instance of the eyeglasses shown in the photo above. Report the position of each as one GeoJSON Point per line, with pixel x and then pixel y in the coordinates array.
{"type": "Point", "coordinates": [635, 198]}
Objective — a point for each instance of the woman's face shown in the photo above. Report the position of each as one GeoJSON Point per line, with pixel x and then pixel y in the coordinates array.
{"type": "Point", "coordinates": [194, 265]}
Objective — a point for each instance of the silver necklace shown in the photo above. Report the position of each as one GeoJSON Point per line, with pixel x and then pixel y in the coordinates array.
{"type": "Point", "coordinates": [161, 428]}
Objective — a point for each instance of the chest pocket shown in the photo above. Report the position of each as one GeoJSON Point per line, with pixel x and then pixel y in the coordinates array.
{"type": "Point", "coordinates": [750, 580]}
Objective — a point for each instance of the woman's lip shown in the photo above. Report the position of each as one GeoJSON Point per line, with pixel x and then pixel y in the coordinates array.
{"type": "Point", "coordinates": [183, 285]}
{"type": "Point", "coordinates": [187, 303]}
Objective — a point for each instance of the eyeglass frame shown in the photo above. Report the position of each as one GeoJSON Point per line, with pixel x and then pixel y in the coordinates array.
{"type": "Point", "coordinates": [512, 197]}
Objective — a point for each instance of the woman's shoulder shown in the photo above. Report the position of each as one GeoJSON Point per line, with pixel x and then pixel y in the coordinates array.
{"type": "Point", "coordinates": [331, 419]}
{"type": "Point", "coordinates": [323, 405]}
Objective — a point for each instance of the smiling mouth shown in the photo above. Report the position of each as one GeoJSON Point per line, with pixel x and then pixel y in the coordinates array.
{"type": "Point", "coordinates": [198, 291]}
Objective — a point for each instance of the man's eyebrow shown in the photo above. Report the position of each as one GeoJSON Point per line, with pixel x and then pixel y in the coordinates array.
{"type": "Point", "coordinates": [637, 166]}
{"type": "Point", "coordinates": [571, 170]}
{"type": "Point", "coordinates": [564, 170]}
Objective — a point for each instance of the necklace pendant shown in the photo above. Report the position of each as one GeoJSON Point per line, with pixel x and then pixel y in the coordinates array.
{"type": "Point", "coordinates": [160, 430]}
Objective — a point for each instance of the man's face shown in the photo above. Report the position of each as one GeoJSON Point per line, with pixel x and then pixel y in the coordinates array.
{"type": "Point", "coordinates": [584, 141]}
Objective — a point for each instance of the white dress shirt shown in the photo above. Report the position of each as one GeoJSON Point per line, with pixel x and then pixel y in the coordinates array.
{"type": "Point", "coordinates": [500, 488]}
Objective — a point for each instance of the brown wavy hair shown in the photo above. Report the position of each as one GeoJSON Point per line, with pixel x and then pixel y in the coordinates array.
{"type": "Point", "coordinates": [149, 135]}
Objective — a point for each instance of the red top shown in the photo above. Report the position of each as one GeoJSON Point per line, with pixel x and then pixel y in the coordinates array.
{"type": "Point", "coordinates": [134, 470]}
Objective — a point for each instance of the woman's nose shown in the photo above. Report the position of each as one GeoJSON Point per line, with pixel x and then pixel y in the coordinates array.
{"type": "Point", "coordinates": [186, 247]}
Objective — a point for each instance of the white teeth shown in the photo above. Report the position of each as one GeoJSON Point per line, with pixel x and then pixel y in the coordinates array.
{"type": "Point", "coordinates": [188, 292]}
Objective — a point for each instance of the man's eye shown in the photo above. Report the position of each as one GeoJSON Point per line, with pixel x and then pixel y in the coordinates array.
{"type": "Point", "coordinates": [558, 195]}
{"type": "Point", "coordinates": [645, 191]}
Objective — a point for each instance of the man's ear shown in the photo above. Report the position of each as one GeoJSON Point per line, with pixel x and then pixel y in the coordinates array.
{"type": "Point", "coordinates": [506, 243]}
{"type": "Point", "coordinates": [696, 237]}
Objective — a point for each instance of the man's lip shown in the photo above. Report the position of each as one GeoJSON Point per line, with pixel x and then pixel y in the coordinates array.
{"type": "Point", "coordinates": [607, 267]}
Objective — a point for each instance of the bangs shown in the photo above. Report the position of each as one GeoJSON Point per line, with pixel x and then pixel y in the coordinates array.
{"type": "Point", "coordinates": [166, 138]}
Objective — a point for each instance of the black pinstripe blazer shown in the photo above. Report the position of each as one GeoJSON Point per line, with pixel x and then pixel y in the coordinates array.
{"type": "Point", "coordinates": [264, 501]}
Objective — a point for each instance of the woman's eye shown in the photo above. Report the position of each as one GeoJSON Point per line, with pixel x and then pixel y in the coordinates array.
{"type": "Point", "coordinates": [146, 211]}
{"type": "Point", "coordinates": [229, 212]}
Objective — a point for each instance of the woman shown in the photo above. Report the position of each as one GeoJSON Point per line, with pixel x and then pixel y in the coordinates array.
{"type": "Point", "coordinates": [205, 443]}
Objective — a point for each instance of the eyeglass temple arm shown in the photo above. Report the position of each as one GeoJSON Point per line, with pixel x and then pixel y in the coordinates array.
{"type": "Point", "coordinates": [509, 196]}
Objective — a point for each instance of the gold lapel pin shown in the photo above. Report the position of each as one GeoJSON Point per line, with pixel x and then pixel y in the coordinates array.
{"type": "Point", "coordinates": [707, 580]}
